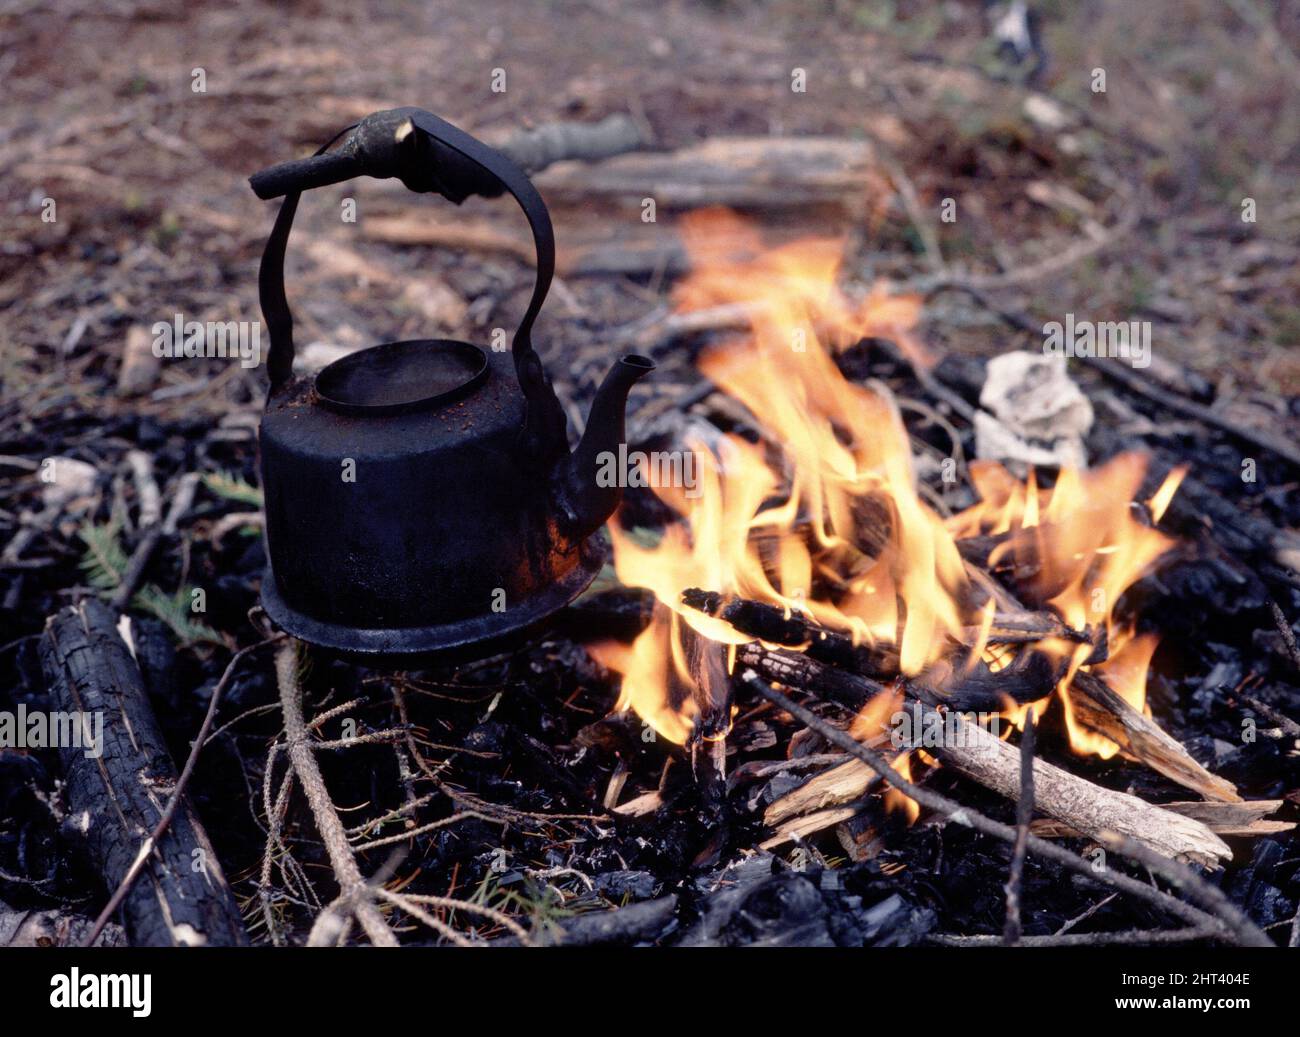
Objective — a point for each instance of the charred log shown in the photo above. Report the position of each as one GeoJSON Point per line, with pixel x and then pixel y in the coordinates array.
{"type": "Point", "coordinates": [119, 789]}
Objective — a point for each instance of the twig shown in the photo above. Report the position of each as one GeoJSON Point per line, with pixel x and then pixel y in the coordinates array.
{"type": "Point", "coordinates": [1210, 897]}
{"type": "Point", "coordinates": [1288, 635]}
{"type": "Point", "coordinates": [1059, 261]}
{"type": "Point", "coordinates": [1065, 928]}
{"type": "Point", "coordinates": [154, 532]}
{"type": "Point", "coordinates": [298, 743]}
{"type": "Point", "coordinates": [912, 205]}
{"type": "Point", "coordinates": [1024, 814]}
{"type": "Point", "coordinates": [1230, 921]}
{"type": "Point", "coordinates": [1270, 714]}
{"type": "Point", "coordinates": [1131, 938]}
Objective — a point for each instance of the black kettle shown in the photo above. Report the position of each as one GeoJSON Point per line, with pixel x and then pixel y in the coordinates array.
{"type": "Point", "coordinates": [421, 499]}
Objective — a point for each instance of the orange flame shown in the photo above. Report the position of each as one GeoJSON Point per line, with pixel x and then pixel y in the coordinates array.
{"type": "Point", "coordinates": [824, 518]}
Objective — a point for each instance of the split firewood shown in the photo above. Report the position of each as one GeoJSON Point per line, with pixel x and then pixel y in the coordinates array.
{"type": "Point", "coordinates": [801, 827]}
{"type": "Point", "coordinates": [1097, 707]}
{"type": "Point", "coordinates": [835, 786]}
{"type": "Point", "coordinates": [118, 788]}
{"type": "Point", "coordinates": [772, 623]}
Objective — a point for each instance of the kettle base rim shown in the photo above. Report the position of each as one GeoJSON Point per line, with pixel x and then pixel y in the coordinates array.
{"type": "Point", "coordinates": [473, 637]}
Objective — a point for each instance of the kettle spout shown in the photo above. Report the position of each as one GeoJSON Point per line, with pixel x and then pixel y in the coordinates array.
{"type": "Point", "coordinates": [590, 484]}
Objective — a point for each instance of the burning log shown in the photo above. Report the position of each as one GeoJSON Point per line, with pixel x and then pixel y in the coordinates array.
{"type": "Point", "coordinates": [182, 898]}
{"type": "Point", "coordinates": [982, 757]}
{"type": "Point", "coordinates": [772, 624]}
{"type": "Point", "coordinates": [710, 687]}
{"type": "Point", "coordinates": [1097, 706]}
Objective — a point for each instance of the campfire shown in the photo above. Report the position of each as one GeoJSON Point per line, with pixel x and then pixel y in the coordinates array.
{"type": "Point", "coordinates": [719, 596]}
{"type": "Point", "coordinates": [810, 554]}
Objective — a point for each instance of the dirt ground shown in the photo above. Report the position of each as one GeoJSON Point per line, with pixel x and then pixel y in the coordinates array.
{"type": "Point", "coordinates": [154, 214]}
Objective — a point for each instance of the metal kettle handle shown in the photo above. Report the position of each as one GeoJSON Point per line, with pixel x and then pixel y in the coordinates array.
{"type": "Point", "coordinates": [438, 158]}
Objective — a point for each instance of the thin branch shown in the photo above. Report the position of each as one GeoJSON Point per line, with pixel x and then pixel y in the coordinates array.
{"type": "Point", "coordinates": [303, 759]}
{"type": "Point", "coordinates": [1024, 814]}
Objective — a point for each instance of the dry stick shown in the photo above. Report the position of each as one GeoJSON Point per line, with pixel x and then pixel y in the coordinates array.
{"type": "Point", "coordinates": [1229, 918]}
{"type": "Point", "coordinates": [1071, 923]}
{"type": "Point", "coordinates": [169, 812]}
{"type": "Point", "coordinates": [154, 532]}
{"type": "Point", "coordinates": [274, 822]}
{"type": "Point", "coordinates": [1131, 938]}
{"type": "Point", "coordinates": [1134, 382]}
{"type": "Point", "coordinates": [1100, 708]}
{"type": "Point", "coordinates": [420, 914]}
{"type": "Point", "coordinates": [1024, 814]}
{"type": "Point", "coordinates": [912, 206]}
{"type": "Point", "coordinates": [298, 744]}
{"type": "Point", "coordinates": [1208, 896]}
{"type": "Point", "coordinates": [1054, 264]}
{"type": "Point", "coordinates": [1288, 635]}
{"type": "Point", "coordinates": [977, 754]}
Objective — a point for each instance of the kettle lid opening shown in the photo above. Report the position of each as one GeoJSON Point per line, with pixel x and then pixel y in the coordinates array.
{"type": "Point", "coordinates": [401, 376]}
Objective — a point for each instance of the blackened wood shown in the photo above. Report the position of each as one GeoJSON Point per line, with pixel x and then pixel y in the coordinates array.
{"type": "Point", "coordinates": [117, 797]}
{"type": "Point", "coordinates": [636, 923]}
{"type": "Point", "coordinates": [974, 686]}
{"type": "Point", "coordinates": [770, 623]}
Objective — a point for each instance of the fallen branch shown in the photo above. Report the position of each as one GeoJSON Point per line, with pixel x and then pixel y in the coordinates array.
{"type": "Point", "coordinates": [1096, 706]}
{"type": "Point", "coordinates": [736, 172]}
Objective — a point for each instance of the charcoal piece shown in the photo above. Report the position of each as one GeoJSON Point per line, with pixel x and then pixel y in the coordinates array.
{"type": "Point", "coordinates": [617, 885]}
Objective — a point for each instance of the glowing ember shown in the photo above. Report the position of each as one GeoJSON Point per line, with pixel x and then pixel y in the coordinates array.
{"type": "Point", "coordinates": [823, 517]}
